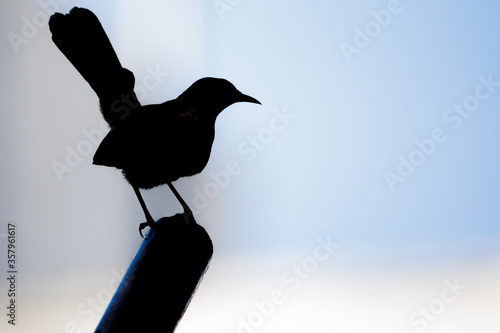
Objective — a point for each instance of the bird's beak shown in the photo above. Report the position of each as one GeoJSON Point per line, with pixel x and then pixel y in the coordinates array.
{"type": "Point", "coordinates": [249, 99]}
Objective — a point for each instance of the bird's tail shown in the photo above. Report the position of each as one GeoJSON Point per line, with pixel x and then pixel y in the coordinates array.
{"type": "Point", "coordinates": [81, 38]}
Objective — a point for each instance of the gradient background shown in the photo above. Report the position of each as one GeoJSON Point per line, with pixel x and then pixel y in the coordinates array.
{"type": "Point", "coordinates": [321, 177]}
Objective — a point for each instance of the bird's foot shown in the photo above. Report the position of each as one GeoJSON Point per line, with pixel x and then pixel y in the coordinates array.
{"type": "Point", "coordinates": [187, 215]}
{"type": "Point", "coordinates": [150, 223]}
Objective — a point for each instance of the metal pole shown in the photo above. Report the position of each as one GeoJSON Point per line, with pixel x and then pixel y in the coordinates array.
{"type": "Point", "coordinates": [161, 279]}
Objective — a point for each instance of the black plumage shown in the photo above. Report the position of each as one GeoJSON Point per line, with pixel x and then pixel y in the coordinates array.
{"type": "Point", "coordinates": [152, 144]}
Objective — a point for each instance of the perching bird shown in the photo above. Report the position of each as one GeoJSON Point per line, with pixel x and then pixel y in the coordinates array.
{"type": "Point", "coordinates": [152, 144]}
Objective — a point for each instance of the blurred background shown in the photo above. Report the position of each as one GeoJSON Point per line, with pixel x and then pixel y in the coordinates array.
{"type": "Point", "coordinates": [366, 187]}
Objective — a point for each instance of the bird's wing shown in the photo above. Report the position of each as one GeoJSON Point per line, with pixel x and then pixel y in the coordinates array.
{"type": "Point", "coordinates": [121, 146]}
{"type": "Point", "coordinates": [137, 138]}
{"type": "Point", "coordinates": [81, 38]}
{"type": "Point", "coordinates": [156, 134]}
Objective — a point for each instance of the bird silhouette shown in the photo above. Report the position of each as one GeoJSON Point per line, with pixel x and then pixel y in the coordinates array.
{"type": "Point", "coordinates": [152, 144]}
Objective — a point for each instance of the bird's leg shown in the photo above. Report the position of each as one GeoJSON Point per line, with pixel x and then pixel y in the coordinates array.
{"type": "Point", "coordinates": [187, 214]}
{"type": "Point", "coordinates": [149, 220]}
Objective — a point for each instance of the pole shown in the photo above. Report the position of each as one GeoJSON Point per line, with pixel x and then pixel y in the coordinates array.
{"type": "Point", "coordinates": [161, 280]}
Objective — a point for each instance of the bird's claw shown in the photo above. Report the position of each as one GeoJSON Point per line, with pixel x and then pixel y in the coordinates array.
{"type": "Point", "coordinates": [143, 225]}
{"type": "Point", "coordinates": [187, 215]}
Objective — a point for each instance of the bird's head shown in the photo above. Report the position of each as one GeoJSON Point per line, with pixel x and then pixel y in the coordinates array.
{"type": "Point", "coordinates": [213, 95]}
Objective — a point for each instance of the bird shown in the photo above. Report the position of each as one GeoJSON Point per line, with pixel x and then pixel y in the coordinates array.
{"type": "Point", "coordinates": [152, 144]}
